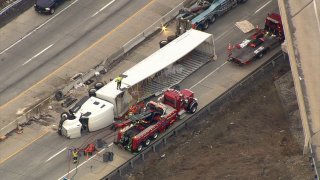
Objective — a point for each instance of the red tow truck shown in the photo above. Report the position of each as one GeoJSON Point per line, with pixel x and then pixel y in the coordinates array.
{"type": "Point", "coordinates": [259, 43]}
{"type": "Point", "coordinates": [156, 118]}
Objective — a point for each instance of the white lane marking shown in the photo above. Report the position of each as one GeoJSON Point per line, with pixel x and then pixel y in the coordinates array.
{"type": "Point", "coordinates": [81, 164]}
{"type": "Point", "coordinates": [262, 7]}
{"type": "Point", "coordinates": [37, 28]}
{"type": "Point", "coordinates": [56, 154]}
{"type": "Point", "coordinates": [316, 12]}
{"type": "Point", "coordinates": [37, 54]}
{"type": "Point", "coordinates": [103, 8]}
{"type": "Point", "coordinates": [208, 75]}
{"type": "Point", "coordinates": [110, 145]}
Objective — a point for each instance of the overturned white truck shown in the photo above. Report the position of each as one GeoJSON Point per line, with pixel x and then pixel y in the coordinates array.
{"type": "Point", "coordinates": [163, 69]}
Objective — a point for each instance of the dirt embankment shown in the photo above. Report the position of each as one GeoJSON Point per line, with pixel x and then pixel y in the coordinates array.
{"type": "Point", "coordinates": [251, 139]}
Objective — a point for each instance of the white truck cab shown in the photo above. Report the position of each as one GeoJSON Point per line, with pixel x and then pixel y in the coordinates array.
{"type": "Point", "coordinates": [96, 112]}
{"type": "Point", "coordinates": [93, 115]}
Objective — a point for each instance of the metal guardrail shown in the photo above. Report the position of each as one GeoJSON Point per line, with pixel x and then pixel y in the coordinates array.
{"type": "Point", "coordinates": [208, 109]}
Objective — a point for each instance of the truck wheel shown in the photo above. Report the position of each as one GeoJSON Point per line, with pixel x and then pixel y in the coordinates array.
{"type": "Point", "coordinates": [155, 135]}
{"type": "Point", "coordinates": [52, 10]}
{"type": "Point", "coordinates": [65, 115]}
{"type": "Point", "coordinates": [139, 148]}
{"type": "Point", "coordinates": [213, 19]}
{"type": "Point", "coordinates": [147, 142]}
{"type": "Point", "coordinates": [58, 95]}
{"type": "Point", "coordinates": [92, 92]}
{"type": "Point", "coordinates": [98, 85]}
{"type": "Point", "coordinates": [163, 43]}
{"type": "Point", "coordinates": [193, 108]}
{"type": "Point", "coordinates": [260, 55]}
{"type": "Point", "coordinates": [199, 27]}
{"type": "Point", "coordinates": [206, 25]}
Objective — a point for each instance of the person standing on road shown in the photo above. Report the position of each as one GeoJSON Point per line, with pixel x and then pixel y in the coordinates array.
{"type": "Point", "coordinates": [118, 80]}
{"type": "Point", "coordinates": [75, 156]}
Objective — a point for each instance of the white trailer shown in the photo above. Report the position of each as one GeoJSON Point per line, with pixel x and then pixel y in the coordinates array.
{"type": "Point", "coordinates": [100, 111]}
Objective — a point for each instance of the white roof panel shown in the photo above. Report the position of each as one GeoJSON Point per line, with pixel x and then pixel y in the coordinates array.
{"type": "Point", "coordinates": [165, 56]}
{"type": "Point", "coordinates": [156, 62]}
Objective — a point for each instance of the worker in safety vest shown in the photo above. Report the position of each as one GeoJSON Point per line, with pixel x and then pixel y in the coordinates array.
{"type": "Point", "coordinates": [75, 156]}
{"type": "Point", "coordinates": [118, 80]}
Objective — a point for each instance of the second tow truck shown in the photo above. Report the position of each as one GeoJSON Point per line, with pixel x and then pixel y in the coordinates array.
{"type": "Point", "coordinates": [259, 43]}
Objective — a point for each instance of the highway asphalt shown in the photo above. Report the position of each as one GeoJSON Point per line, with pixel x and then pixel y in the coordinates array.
{"type": "Point", "coordinates": [34, 45]}
{"type": "Point", "coordinates": [47, 158]}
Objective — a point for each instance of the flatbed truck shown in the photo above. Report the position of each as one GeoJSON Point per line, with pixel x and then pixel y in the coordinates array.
{"type": "Point", "coordinates": [259, 42]}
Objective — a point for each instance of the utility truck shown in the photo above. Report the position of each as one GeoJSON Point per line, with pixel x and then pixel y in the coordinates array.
{"type": "Point", "coordinates": [157, 118]}
{"type": "Point", "coordinates": [259, 42]}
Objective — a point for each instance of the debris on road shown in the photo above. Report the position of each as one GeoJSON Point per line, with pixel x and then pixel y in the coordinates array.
{"type": "Point", "coordinates": [2, 138]}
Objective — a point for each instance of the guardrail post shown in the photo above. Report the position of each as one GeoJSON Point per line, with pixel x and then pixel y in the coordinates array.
{"type": "Point", "coordinates": [164, 141]}
{"type": "Point", "coordinates": [120, 172]}
{"type": "Point", "coordinates": [131, 164]}
{"type": "Point", "coordinates": [175, 133]}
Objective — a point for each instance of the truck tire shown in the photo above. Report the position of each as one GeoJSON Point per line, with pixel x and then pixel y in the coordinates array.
{"type": "Point", "coordinates": [206, 24]}
{"type": "Point", "coordinates": [58, 95]}
{"type": "Point", "coordinates": [92, 92]}
{"type": "Point", "coordinates": [155, 135]}
{"type": "Point", "coordinates": [139, 148]}
{"type": "Point", "coordinates": [193, 108]}
{"type": "Point", "coordinates": [147, 142]}
{"type": "Point", "coordinates": [213, 19]}
{"type": "Point", "coordinates": [52, 10]}
{"type": "Point", "coordinates": [199, 27]}
{"type": "Point", "coordinates": [65, 115]}
{"type": "Point", "coordinates": [98, 85]}
{"type": "Point", "coordinates": [163, 43]}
